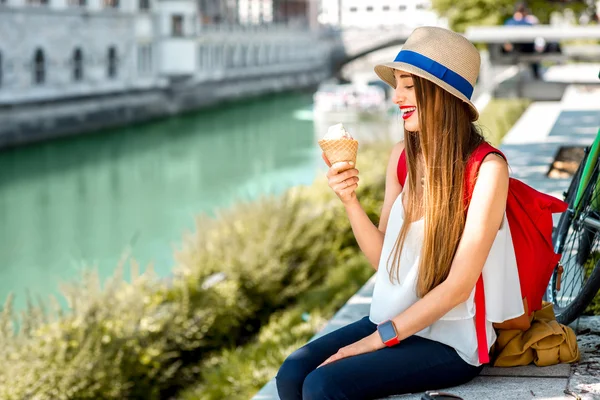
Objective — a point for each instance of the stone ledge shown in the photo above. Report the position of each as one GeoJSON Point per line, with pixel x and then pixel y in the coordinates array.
{"type": "Point", "coordinates": [553, 371]}
{"type": "Point", "coordinates": [504, 388]}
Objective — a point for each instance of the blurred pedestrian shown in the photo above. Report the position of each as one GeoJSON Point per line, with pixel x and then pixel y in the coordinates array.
{"type": "Point", "coordinates": [522, 17]}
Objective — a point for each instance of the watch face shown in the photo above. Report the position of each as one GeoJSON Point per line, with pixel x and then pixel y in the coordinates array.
{"type": "Point", "coordinates": [386, 331]}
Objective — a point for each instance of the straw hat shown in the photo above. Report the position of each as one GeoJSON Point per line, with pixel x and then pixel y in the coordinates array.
{"type": "Point", "coordinates": [444, 57]}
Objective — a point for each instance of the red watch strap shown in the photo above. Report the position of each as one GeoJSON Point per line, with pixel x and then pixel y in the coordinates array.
{"type": "Point", "coordinates": [392, 342]}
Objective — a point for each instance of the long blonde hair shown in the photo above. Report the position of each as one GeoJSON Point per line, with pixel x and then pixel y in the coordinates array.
{"type": "Point", "coordinates": [440, 150]}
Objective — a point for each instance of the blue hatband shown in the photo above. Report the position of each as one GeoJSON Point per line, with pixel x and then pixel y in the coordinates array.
{"type": "Point", "coordinates": [436, 69]}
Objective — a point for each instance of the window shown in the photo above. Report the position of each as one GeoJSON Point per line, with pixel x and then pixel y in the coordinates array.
{"type": "Point", "coordinates": [386, 8]}
{"type": "Point", "coordinates": [35, 2]}
{"type": "Point", "coordinates": [145, 59]}
{"type": "Point", "coordinates": [77, 65]}
{"type": "Point", "coordinates": [77, 3]}
{"type": "Point", "coordinates": [422, 6]}
{"type": "Point", "coordinates": [353, 9]}
{"type": "Point", "coordinates": [111, 3]}
{"type": "Point", "coordinates": [369, 8]}
{"type": "Point", "coordinates": [229, 57]}
{"type": "Point", "coordinates": [1, 70]}
{"type": "Point", "coordinates": [402, 8]}
{"type": "Point", "coordinates": [112, 62]}
{"type": "Point", "coordinates": [201, 57]}
{"type": "Point", "coordinates": [177, 25]}
{"type": "Point", "coordinates": [39, 67]}
{"type": "Point", "coordinates": [144, 5]}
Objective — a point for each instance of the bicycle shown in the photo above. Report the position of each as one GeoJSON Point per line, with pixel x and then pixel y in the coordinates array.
{"type": "Point", "coordinates": [576, 280]}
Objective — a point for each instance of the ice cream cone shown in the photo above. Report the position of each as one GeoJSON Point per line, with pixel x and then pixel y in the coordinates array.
{"type": "Point", "coordinates": [338, 150]}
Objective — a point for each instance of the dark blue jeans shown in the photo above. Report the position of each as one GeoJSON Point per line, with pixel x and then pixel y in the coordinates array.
{"type": "Point", "coordinates": [414, 365]}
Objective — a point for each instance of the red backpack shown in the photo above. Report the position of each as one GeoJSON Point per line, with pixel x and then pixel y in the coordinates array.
{"type": "Point", "coordinates": [529, 214]}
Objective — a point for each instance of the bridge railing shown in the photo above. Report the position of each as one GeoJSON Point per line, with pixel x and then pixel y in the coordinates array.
{"type": "Point", "coordinates": [526, 34]}
{"type": "Point", "coordinates": [550, 49]}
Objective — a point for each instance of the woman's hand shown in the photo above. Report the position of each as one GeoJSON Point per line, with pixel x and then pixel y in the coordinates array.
{"type": "Point", "coordinates": [343, 179]}
{"type": "Point", "coordinates": [367, 344]}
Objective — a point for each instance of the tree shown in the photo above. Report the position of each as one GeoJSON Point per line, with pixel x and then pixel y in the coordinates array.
{"type": "Point", "coordinates": [464, 13]}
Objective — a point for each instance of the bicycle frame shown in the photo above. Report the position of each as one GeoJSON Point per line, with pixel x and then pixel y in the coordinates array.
{"type": "Point", "coordinates": [590, 164]}
{"type": "Point", "coordinates": [590, 161]}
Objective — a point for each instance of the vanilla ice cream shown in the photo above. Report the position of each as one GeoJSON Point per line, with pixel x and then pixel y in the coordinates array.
{"type": "Point", "coordinates": [336, 132]}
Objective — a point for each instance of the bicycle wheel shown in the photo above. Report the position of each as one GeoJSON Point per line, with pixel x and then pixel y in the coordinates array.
{"type": "Point", "coordinates": [587, 240]}
{"type": "Point", "coordinates": [569, 197]}
{"type": "Point", "coordinates": [579, 233]}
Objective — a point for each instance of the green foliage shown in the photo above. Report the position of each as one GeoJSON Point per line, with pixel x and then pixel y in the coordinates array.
{"type": "Point", "coordinates": [150, 338]}
{"type": "Point", "coordinates": [114, 337]}
{"type": "Point", "coordinates": [465, 13]}
{"type": "Point", "coordinates": [499, 116]}
{"type": "Point", "coordinates": [238, 373]}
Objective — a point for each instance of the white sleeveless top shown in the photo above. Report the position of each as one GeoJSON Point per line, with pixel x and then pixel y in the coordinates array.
{"type": "Point", "coordinates": [503, 299]}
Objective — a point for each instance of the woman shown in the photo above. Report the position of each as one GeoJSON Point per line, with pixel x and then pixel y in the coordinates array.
{"type": "Point", "coordinates": [428, 254]}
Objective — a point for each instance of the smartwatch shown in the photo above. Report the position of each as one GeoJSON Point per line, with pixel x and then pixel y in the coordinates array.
{"type": "Point", "coordinates": [388, 333]}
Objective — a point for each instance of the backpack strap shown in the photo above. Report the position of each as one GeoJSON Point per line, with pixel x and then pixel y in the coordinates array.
{"type": "Point", "coordinates": [480, 328]}
{"type": "Point", "coordinates": [475, 160]}
{"type": "Point", "coordinates": [402, 169]}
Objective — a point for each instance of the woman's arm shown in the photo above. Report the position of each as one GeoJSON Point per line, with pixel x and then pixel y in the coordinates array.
{"type": "Point", "coordinates": [484, 218]}
{"type": "Point", "coordinates": [368, 236]}
{"type": "Point", "coordinates": [392, 186]}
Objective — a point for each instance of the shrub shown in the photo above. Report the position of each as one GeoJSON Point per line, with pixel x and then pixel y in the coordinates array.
{"type": "Point", "coordinates": [148, 338]}
{"type": "Point", "coordinates": [239, 372]}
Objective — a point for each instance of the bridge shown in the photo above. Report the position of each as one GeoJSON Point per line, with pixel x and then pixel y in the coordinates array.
{"type": "Point", "coordinates": [359, 43]}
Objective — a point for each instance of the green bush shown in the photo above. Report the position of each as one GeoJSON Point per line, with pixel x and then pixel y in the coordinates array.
{"type": "Point", "coordinates": [150, 338]}
{"type": "Point", "coordinates": [239, 372]}
{"type": "Point", "coordinates": [465, 13]}
{"type": "Point", "coordinates": [499, 116]}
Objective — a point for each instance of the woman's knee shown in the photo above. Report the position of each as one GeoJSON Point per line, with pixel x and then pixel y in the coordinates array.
{"type": "Point", "coordinates": [319, 385]}
{"type": "Point", "coordinates": [290, 377]}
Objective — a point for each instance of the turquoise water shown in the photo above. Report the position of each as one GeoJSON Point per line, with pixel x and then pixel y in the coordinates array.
{"type": "Point", "coordinates": [83, 201]}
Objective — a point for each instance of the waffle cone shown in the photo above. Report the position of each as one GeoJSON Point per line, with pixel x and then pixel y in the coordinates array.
{"type": "Point", "coordinates": [340, 150]}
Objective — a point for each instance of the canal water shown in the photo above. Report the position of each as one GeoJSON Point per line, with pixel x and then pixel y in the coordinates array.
{"type": "Point", "coordinates": [81, 202]}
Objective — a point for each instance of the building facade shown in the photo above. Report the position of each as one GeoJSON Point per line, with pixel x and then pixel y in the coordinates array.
{"type": "Point", "coordinates": [377, 13]}
{"type": "Point", "coordinates": [64, 59]}
{"type": "Point", "coordinates": [66, 49]}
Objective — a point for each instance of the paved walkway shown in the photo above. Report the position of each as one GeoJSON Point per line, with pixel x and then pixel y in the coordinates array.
{"type": "Point", "coordinates": [530, 147]}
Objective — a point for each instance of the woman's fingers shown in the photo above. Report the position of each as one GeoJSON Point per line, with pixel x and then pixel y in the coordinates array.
{"type": "Point", "coordinates": [349, 189]}
{"type": "Point", "coordinates": [338, 167]}
{"type": "Point", "coordinates": [344, 180]}
{"type": "Point", "coordinates": [345, 183]}
{"type": "Point", "coordinates": [343, 176]}
{"type": "Point", "coordinates": [335, 357]}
